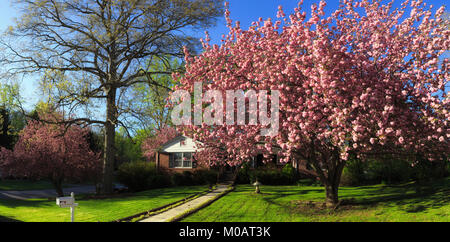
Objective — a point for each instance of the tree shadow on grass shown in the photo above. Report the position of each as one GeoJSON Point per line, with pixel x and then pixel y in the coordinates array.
{"type": "Point", "coordinates": [8, 220]}
{"type": "Point", "coordinates": [15, 203]}
{"type": "Point", "coordinates": [411, 197]}
{"type": "Point", "coordinates": [423, 202]}
{"type": "Point", "coordinates": [278, 199]}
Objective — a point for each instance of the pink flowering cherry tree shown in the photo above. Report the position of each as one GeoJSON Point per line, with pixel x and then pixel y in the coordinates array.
{"type": "Point", "coordinates": [366, 80]}
{"type": "Point", "coordinates": [151, 145]}
{"type": "Point", "coordinates": [49, 151]}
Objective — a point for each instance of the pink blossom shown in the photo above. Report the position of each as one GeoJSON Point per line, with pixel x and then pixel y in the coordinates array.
{"type": "Point", "coordinates": [370, 92]}
{"type": "Point", "coordinates": [151, 145]}
{"type": "Point", "coordinates": [51, 151]}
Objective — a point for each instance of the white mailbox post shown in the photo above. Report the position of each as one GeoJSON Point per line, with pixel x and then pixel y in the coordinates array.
{"type": "Point", "coordinates": [68, 202]}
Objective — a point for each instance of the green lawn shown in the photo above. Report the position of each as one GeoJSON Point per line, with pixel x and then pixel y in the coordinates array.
{"type": "Point", "coordinates": [22, 185]}
{"type": "Point", "coordinates": [407, 202]}
{"type": "Point", "coordinates": [93, 210]}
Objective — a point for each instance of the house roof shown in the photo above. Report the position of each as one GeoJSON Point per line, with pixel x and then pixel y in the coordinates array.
{"type": "Point", "coordinates": [176, 140]}
{"type": "Point", "coordinates": [170, 142]}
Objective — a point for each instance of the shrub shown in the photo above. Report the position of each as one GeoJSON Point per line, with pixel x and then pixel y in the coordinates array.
{"type": "Point", "coordinates": [183, 179]}
{"type": "Point", "coordinates": [389, 171]}
{"type": "Point", "coordinates": [197, 177]}
{"type": "Point", "coordinates": [140, 176]}
{"type": "Point", "coordinates": [424, 170]}
{"type": "Point", "coordinates": [159, 181]}
{"type": "Point", "coordinates": [179, 179]}
{"type": "Point", "coordinates": [290, 173]}
{"type": "Point", "coordinates": [354, 173]}
{"type": "Point", "coordinates": [272, 177]}
{"type": "Point", "coordinates": [188, 178]}
{"type": "Point", "coordinates": [243, 176]}
{"type": "Point", "coordinates": [268, 176]}
{"type": "Point", "coordinates": [309, 182]}
{"type": "Point", "coordinates": [204, 177]}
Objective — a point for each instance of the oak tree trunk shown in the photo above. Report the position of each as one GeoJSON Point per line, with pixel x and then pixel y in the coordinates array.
{"type": "Point", "coordinates": [109, 149]}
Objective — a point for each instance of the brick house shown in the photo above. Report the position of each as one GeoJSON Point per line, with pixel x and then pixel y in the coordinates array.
{"type": "Point", "coordinates": [177, 155]}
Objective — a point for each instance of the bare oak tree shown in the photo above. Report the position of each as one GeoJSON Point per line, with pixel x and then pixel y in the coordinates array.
{"type": "Point", "coordinates": [89, 53]}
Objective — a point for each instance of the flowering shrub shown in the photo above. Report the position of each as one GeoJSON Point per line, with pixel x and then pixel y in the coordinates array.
{"type": "Point", "coordinates": [51, 151]}
{"type": "Point", "coordinates": [152, 144]}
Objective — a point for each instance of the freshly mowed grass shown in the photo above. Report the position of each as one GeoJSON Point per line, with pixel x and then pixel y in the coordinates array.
{"type": "Point", "coordinates": [93, 210]}
{"type": "Point", "coordinates": [23, 185]}
{"type": "Point", "coordinates": [407, 202]}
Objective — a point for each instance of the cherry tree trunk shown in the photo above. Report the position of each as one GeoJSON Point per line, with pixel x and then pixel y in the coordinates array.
{"type": "Point", "coordinates": [57, 184]}
{"type": "Point", "coordinates": [330, 178]}
{"type": "Point", "coordinates": [332, 184]}
{"type": "Point", "coordinates": [332, 196]}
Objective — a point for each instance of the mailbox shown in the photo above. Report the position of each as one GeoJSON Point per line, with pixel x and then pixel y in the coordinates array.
{"type": "Point", "coordinates": [68, 202]}
{"type": "Point", "coordinates": [65, 202]}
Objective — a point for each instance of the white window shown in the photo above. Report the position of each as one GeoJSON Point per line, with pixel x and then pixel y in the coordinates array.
{"type": "Point", "coordinates": [187, 160]}
{"type": "Point", "coordinates": [180, 160]}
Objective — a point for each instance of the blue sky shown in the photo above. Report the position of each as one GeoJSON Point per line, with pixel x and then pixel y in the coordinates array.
{"type": "Point", "coordinates": [246, 11]}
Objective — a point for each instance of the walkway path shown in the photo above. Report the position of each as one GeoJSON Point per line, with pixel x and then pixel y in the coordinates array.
{"type": "Point", "coordinates": [176, 211]}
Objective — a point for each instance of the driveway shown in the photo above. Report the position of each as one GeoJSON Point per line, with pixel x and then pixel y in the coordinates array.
{"type": "Point", "coordinates": [23, 195]}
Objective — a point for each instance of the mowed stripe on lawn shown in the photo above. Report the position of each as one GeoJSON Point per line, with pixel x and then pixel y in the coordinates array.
{"type": "Point", "coordinates": [406, 202]}
{"type": "Point", "coordinates": [93, 210]}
